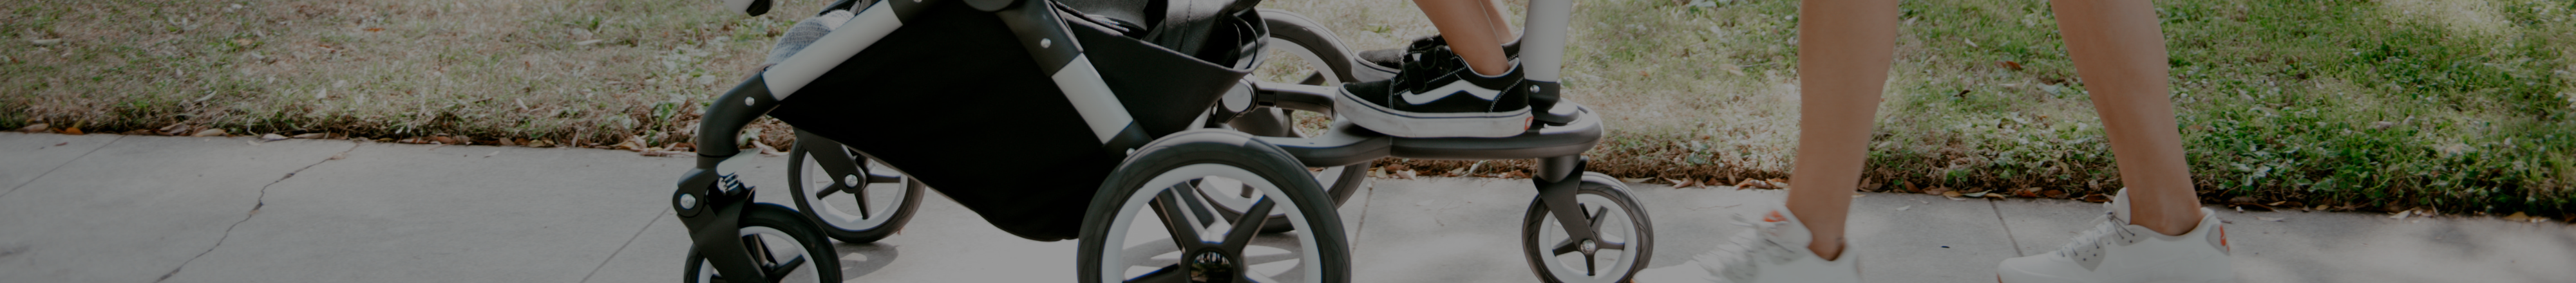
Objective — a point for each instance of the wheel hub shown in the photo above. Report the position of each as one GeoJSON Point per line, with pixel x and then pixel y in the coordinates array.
{"type": "Point", "coordinates": [1589, 246]}
{"type": "Point", "coordinates": [1212, 266]}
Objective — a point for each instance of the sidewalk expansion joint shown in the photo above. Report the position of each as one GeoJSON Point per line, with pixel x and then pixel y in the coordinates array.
{"type": "Point", "coordinates": [2008, 234]}
{"type": "Point", "coordinates": [14, 188]}
{"type": "Point", "coordinates": [630, 240]}
{"type": "Point", "coordinates": [261, 202]}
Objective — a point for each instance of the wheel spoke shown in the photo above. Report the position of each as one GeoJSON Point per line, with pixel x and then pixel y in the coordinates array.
{"type": "Point", "coordinates": [860, 196]}
{"type": "Point", "coordinates": [1588, 268]}
{"type": "Point", "coordinates": [1566, 246]}
{"type": "Point", "coordinates": [1595, 218]}
{"type": "Point", "coordinates": [779, 273]}
{"type": "Point", "coordinates": [1169, 274]}
{"type": "Point", "coordinates": [1184, 233]}
{"type": "Point", "coordinates": [1247, 225]}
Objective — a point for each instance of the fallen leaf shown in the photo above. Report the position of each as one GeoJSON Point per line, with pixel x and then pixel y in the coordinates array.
{"type": "Point", "coordinates": [310, 136]}
{"type": "Point", "coordinates": [1937, 191]}
{"type": "Point", "coordinates": [1996, 196]}
{"type": "Point", "coordinates": [73, 131]}
{"type": "Point", "coordinates": [1635, 180]}
{"type": "Point", "coordinates": [338, 156]}
{"type": "Point", "coordinates": [62, 143]}
{"type": "Point", "coordinates": [2053, 193]}
{"type": "Point", "coordinates": [1973, 195]}
{"type": "Point", "coordinates": [444, 140]}
{"type": "Point", "coordinates": [540, 143]}
{"type": "Point", "coordinates": [1951, 194]}
{"type": "Point", "coordinates": [209, 133]}
{"type": "Point", "coordinates": [375, 29]}
{"type": "Point", "coordinates": [1680, 183]}
{"type": "Point", "coordinates": [1380, 172]}
{"type": "Point", "coordinates": [2272, 219]}
{"type": "Point", "coordinates": [2401, 215]}
{"type": "Point", "coordinates": [2009, 65]}
{"type": "Point", "coordinates": [1903, 208]}
{"type": "Point", "coordinates": [37, 127]}
{"type": "Point", "coordinates": [1406, 174]}
{"type": "Point", "coordinates": [586, 42]}
{"type": "Point", "coordinates": [272, 137]}
{"type": "Point", "coordinates": [2517, 216]}
{"type": "Point", "coordinates": [2097, 198]}
{"type": "Point", "coordinates": [1910, 188]}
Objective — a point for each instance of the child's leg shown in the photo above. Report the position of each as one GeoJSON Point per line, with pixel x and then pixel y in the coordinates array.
{"type": "Point", "coordinates": [1475, 29]}
{"type": "Point", "coordinates": [1844, 49]}
{"type": "Point", "coordinates": [2121, 56]}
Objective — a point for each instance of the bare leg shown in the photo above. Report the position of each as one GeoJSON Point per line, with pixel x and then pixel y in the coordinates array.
{"type": "Point", "coordinates": [1844, 49]}
{"type": "Point", "coordinates": [2121, 55]}
{"type": "Point", "coordinates": [1475, 29]}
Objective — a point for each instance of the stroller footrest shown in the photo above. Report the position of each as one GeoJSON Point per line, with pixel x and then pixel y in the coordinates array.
{"type": "Point", "coordinates": [1348, 143]}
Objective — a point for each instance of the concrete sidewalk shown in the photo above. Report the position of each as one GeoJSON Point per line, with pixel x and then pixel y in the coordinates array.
{"type": "Point", "coordinates": [107, 208]}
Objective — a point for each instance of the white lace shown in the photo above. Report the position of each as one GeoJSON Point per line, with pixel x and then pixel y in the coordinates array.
{"type": "Point", "coordinates": [2088, 245]}
{"type": "Point", "coordinates": [1737, 259]}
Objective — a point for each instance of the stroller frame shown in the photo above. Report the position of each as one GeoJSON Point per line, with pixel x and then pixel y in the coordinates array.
{"type": "Point", "coordinates": [711, 201]}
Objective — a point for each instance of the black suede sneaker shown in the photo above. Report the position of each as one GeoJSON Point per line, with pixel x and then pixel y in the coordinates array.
{"type": "Point", "coordinates": [1436, 95]}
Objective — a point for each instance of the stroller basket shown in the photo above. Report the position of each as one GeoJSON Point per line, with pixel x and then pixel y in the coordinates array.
{"type": "Point", "coordinates": [1024, 158]}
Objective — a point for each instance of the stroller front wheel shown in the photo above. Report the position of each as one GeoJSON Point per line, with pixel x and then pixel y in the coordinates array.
{"type": "Point", "coordinates": [782, 242]}
{"type": "Point", "coordinates": [1147, 225]}
{"type": "Point", "coordinates": [1625, 241]}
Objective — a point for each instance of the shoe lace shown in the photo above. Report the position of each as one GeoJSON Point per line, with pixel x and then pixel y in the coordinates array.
{"type": "Point", "coordinates": [1737, 260]}
{"type": "Point", "coordinates": [2088, 244]}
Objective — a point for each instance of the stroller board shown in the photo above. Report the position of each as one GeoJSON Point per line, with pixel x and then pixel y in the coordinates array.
{"type": "Point", "coordinates": [1143, 109]}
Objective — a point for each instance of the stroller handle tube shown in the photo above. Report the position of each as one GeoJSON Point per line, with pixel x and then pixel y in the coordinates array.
{"type": "Point", "coordinates": [1542, 50]}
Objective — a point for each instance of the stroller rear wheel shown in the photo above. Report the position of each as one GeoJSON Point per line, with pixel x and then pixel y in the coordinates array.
{"type": "Point", "coordinates": [1147, 225]}
{"type": "Point", "coordinates": [782, 242]}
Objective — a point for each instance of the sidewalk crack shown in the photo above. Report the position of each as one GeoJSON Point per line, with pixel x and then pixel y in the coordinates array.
{"type": "Point", "coordinates": [14, 188]}
{"type": "Point", "coordinates": [262, 201]}
{"type": "Point", "coordinates": [2008, 234]}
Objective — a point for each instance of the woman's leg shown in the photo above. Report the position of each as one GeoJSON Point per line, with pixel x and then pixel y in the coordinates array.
{"type": "Point", "coordinates": [1844, 49]}
{"type": "Point", "coordinates": [2121, 55]}
{"type": "Point", "coordinates": [1475, 29]}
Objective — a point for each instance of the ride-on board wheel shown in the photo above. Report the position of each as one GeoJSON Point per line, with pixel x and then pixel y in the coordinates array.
{"type": "Point", "coordinates": [1145, 225]}
{"type": "Point", "coordinates": [850, 196]}
{"type": "Point", "coordinates": [1626, 237]}
{"type": "Point", "coordinates": [782, 242]}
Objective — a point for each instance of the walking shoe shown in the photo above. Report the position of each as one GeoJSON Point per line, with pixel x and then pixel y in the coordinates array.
{"type": "Point", "coordinates": [1436, 95]}
{"type": "Point", "coordinates": [2117, 251]}
{"type": "Point", "coordinates": [1774, 251]}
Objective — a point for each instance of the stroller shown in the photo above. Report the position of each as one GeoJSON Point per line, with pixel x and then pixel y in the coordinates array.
{"type": "Point", "coordinates": [1129, 125]}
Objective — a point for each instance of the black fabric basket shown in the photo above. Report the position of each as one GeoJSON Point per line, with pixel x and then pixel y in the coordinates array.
{"type": "Point", "coordinates": [954, 100]}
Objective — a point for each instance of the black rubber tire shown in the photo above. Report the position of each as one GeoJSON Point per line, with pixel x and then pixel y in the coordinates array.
{"type": "Point", "coordinates": [1228, 148]}
{"type": "Point", "coordinates": [902, 213]}
{"type": "Point", "coordinates": [1641, 246]}
{"type": "Point", "coordinates": [788, 221]}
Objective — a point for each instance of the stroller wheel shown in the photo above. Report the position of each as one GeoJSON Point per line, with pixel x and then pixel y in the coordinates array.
{"type": "Point", "coordinates": [865, 203]}
{"type": "Point", "coordinates": [1147, 224]}
{"type": "Point", "coordinates": [1626, 238]}
{"type": "Point", "coordinates": [782, 242]}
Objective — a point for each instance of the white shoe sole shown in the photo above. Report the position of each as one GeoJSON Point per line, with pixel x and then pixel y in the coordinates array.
{"type": "Point", "coordinates": [1432, 125]}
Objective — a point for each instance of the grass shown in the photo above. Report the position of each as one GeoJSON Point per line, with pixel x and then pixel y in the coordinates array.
{"type": "Point", "coordinates": [2459, 106]}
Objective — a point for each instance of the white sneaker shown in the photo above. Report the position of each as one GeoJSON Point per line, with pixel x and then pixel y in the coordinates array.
{"type": "Point", "coordinates": [2116, 251]}
{"type": "Point", "coordinates": [1774, 251]}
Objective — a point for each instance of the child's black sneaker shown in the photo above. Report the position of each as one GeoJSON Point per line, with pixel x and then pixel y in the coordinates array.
{"type": "Point", "coordinates": [1436, 95]}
